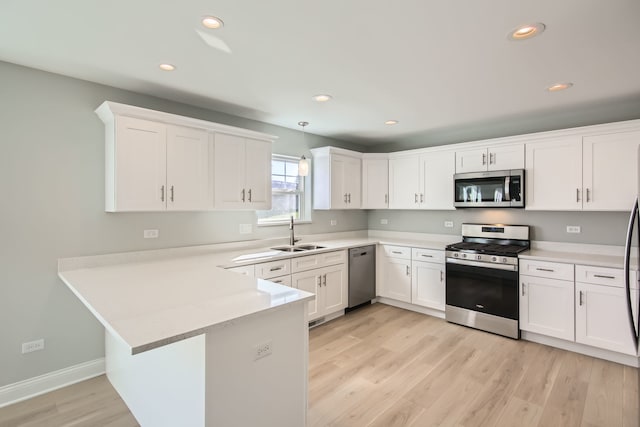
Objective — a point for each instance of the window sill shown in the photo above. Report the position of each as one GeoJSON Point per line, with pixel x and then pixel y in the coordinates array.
{"type": "Point", "coordinates": [278, 223]}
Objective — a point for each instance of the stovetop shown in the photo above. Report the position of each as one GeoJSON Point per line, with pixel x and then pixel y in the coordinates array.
{"type": "Point", "coordinates": [498, 249]}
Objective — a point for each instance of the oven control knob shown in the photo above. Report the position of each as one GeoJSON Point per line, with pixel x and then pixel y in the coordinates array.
{"type": "Point", "coordinates": [464, 255]}
{"type": "Point", "coordinates": [479, 257]}
{"type": "Point", "coordinates": [494, 259]}
{"type": "Point", "coordinates": [456, 255]}
{"type": "Point", "coordinates": [504, 260]}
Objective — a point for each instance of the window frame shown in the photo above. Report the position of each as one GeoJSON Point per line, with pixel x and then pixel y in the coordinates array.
{"type": "Point", "coordinates": [304, 199]}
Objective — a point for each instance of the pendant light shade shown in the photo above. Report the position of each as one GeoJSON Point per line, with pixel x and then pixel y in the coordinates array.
{"type": "Point", "coordinates": [303, 164]}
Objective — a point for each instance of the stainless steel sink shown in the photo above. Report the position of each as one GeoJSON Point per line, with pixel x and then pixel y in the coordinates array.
{"type": "Point", "coordinates": [287, 249]}
{"type": "Point", "coordinates": [310, 247]}
{"type": "Point", "coordinates": [298, 248]}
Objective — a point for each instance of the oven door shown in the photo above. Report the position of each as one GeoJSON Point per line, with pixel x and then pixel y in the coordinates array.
{"type": "Point", "coordinates": [487, 288]}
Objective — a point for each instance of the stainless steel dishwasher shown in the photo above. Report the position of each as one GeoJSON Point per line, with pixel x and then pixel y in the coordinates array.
{"type": "Point", "coordinates": [362, 275]}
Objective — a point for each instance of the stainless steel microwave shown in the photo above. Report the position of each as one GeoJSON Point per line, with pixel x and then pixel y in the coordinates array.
{"type": "Point", "coordinates": [495, 189]}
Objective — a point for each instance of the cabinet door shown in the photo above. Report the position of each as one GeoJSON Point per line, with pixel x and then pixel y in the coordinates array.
{"type": "Point", "coordinates": [309, 281]}
{"type": "Point", "coordinates": [610, 171]}
{"type": "Point", "coordinates": [334, 288]}
{"type": "Point", "coordinates": [428, 285]}
{"type": "Point", "coordinates": [189, 186]}
{"type": "Point", "coordinates": [140, 164]}
{"type": "Point", "coordinates": [229, 172]}
{"type": "Point", "coordinates": [437, 172]}
{"type": "Point", "coordinates": [471, 160]}
{"type": "Point", "coordinates": [396, 279]}
{"type": "Point", "coordinates": [375, 183]}
{"type": "Point", "coordinates": [506, 157]}
{"type": "Point", "coordinates": [351, 178]}
{"type": "Point", "coordinates": [554, 174]}
{"type": "Point", "coordinates": [546, 306]}
{"type": "Point", "coordinates": [257, 174]}
{"type": "Point", "coordinates": [404, 183]}
{"type": "Point", "coordinates": [602, 319]}
{"type": "Point", "coordinates": [339, 196]}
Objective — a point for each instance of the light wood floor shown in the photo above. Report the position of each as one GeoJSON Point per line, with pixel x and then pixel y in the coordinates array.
{"type": "Point", "coordinates": [384, 366]}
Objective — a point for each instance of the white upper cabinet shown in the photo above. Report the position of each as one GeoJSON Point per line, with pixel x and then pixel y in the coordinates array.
{"type": "Point", "coordinates": [553, 177]}
{"type": "Point", "coordinates": [157, 161]}
{"type": "Point", "coordinates": [610, 175]}
{"type": "Point", "coordinates": [337, 175]}
{"type": "Point", "coordinates": [375, 181]}
{"type": "Point", "coordinates": [242, 172]}
{"type": "Point", "coordinates": [597, 173]}
{"type": "Point", "coordinates": [422, 181]}
{"type": "Point", "coordinates": [404, 182]}
{"type": "Point", "coordinates": [189, 185]}
{"type": "Point", "coordinates": [499, 157]}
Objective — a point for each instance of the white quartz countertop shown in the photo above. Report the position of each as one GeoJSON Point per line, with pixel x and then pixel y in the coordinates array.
{"type": "Point", "coordinates": [574, 257]}
{"type": "Point", "coordinates": [151, 304]}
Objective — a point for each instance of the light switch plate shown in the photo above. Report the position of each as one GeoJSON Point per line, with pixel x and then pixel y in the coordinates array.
{"type": "Point", "coordinates": [573, 229]}
{"type": "Point", "coordinates": [245, 228]}
{"type": "Point", "coordinates": [448, 224]}
{"type": "Point", "coordinates": [384, 221]}
{"type": "Point", "coordinates": [334, 222]}
{"type": "Point", "coordinates": [151, 234]}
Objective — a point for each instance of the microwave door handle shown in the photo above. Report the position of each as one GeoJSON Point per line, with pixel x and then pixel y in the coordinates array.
{"type": "Point", "coordinates": [507, 188]}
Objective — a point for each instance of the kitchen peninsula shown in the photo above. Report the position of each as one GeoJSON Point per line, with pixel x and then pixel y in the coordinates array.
{"type": "Point", "coordinates": [188, 343]}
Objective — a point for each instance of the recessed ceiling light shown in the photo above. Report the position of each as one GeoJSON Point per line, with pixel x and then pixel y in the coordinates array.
{"type": "Point", "coordinates": [527, 31]}
{"type": "Point", "coordinates": [322, 98]}
{"type": "Point", "coordinates": [391, 122]}
{"type": "Point", "coordinates": [559, 86]}
{"type": "Point", "coordinates": [212, 22]}
{"type": "Point", "coordinates": [167, 67]}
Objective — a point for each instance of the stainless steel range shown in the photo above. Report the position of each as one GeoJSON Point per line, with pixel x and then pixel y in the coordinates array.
{"type": "Point", "coordinates": [482, 277]}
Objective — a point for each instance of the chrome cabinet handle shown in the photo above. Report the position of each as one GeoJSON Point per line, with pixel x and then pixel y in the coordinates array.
{"type": "Point", "coordinates": [492, 158]}
{"type": "Point", "coordinates": [441, 275]}
{"type": "Point", "coordinates": [171, 197]}
{"type": "Point", "coordinates": [324, 281]}
{"type": "Point", "coordinates": [396, 252]}
{"type": "Point", "coordinates": [162, 193]}
{"type": "Point", "coordinates": [345, 197]}
{"type": "Point", "coordinates": [277, 281]}
{"type": "Point", "coordinates": [484, 158]}
{"type": "Point", "coordinates": [243, 195]}
{"type": "Point", "coordinates": [249, 194]}
{"type": "Point", "coordinates": [580, 298]}
{"type": "Point", "coordinates": [408, 270]}
{"type": "Point", "coordinates": [545, 269]}
{"type": "Point", "coordinates": [319, 280]}
{"type": "Point", "coordinates": [523, 290]}
{"type": "Point", "coordinates": [415, 200]}
{"type": "Point", "coordinates": [349, 197]}
{"type": "Point", "coordinates": [386, 198]}
{"type": "Point", "coordinates": [587, 195]}
{"type": "Point", "coordinates": [421, 198]}
{"type": "Point", "coordinates": [602, 276]}
{"type": "Point", "coordinates": [577, 194]}
{"type": "Point", "coordinates": [427, 256]}
{"type": "Point", "coordinates": [276, 268]}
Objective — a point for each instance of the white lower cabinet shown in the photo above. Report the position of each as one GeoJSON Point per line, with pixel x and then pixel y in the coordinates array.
{"type": "Point", "coordinates": [395, 281]}
{"type": "Point", "coordinates": [428, 278]}
{"type": "Point", "coordinates": [330, 286]}
{"type": "Point", "coordinates": [602, 318]}
{"type": "Point", "coordinates": [413, 275]}
{"type": "Point", "coordinates": [546, 306]}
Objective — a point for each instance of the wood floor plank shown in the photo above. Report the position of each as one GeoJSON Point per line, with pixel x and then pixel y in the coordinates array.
{"type": "Point", "coordinates": [519, 412]}
{"type": "Point", "coordinates": [604, 404]}
{"type": "Point", "coordinates": [630, 398]}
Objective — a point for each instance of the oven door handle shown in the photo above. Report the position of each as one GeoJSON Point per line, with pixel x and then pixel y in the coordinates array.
{"type": "Point", "coordinates": [506, 267]}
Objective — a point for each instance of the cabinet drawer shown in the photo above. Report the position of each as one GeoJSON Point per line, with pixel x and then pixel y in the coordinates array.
{"type": "Point", "coordinates": [397, 251]}
{"type": "Point", "coordinates": [247, 270]}
{"type": "Point", "coordinates": [428, 255]}
{"type": "Point", "coordinates": [271, 269]}
{"type": "Point", "coordinates": [282, 280]}
{"type": "Point", "coordinates": [309, 262]}
{"type": "Point", "coordinates": [605, 276]}
{"type": "Point", "coordinates": [552, 270]}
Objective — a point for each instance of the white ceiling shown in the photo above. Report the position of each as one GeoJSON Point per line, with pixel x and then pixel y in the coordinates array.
{"type": "Point", "coordinates": [429, 64]}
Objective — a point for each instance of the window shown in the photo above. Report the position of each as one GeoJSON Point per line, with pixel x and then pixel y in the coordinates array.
{"type": "Point", "coordinates": [288, 192]}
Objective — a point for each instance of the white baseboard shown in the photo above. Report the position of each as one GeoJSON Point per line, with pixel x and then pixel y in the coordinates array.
{"type": "Point", "coordinates": [32, 387]}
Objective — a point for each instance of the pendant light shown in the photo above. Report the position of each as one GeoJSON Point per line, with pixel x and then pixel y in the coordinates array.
{"type": "Point", "coordinates": [303, 164]}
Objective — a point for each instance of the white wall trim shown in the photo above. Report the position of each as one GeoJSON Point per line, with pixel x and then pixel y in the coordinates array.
{"type": "Point", "coordinates": [35, 386]}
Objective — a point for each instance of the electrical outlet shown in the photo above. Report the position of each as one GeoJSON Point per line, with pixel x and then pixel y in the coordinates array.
{"type": "Point", "coordinates": [448, 224]}
{"type": "Point", "coordinates": [245, 228]}
{"type": "Point", "coordinates": [573, 229]}
{"type": "Point", "coordinates": [151, 234]}
{"type": "Point", "coordinates": [384, 221]}
{"type": "Point", "coordinates": [262, 350]}
{"type": "Point", "coordinates": [334, 222]}
{"type": "Point", "coordinates": [28, 347]}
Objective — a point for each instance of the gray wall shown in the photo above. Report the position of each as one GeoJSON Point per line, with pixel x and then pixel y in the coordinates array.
{"type": "Point", "coordinates": [52, 171]}
{"type": "Point", "coordinates": [605, 228]}
{"type": "Point", "coordinates": [52, 175]}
